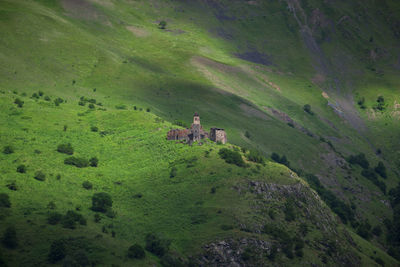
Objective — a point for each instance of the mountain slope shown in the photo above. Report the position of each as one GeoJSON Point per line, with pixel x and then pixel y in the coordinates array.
{"type": "Point", "coordinates": [246, 66]}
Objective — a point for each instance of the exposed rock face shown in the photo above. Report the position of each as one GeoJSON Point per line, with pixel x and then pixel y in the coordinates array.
{"type": "Point", "coordinates": [255, 246]}
{"type": "Point", "coordinates": [230, 252]}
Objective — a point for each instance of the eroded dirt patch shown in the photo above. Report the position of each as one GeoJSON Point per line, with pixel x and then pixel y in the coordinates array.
{"type": "Point", "coordinates": [137, 31]}
{"type": "Point", "coordinates": [82, 9]}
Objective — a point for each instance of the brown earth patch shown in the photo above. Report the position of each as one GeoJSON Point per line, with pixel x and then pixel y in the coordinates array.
{"type": "Point", "coordinates": [138, 32]}
{"type": "Point", "coordinates": [325, 95]}
{"type": "Point", "coordinates": [82, 9]}
{"type": "Point", "coordinates": [252, 112]}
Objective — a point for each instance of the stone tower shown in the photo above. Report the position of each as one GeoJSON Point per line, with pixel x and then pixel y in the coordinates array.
{"type": "Point", "coordinates": [196, 127]}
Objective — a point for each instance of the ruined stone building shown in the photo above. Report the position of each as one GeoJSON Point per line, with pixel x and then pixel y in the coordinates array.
{"type": "Point", "coordinates": [197, 133]}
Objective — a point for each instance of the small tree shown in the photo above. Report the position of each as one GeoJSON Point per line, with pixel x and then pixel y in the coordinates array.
{"type": "Point", "coordinates": [307, 108]}
{"type": "Point", "coordinates": [136, 252]}
{"type": "Point", "coordinates": [101, 202]}
{"type": "Point", "coordinates": [173, 172]}
{"type": "Point", "coordinates": [21, 168]}
{"type": "Point", "coordinates": [19, 102]}
{"type": "Point", "coordinates": [94, 162]}
{"type": "Point", "coordinates": [162, 25]}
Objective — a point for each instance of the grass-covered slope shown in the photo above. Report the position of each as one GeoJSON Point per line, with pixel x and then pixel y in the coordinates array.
{"type": "Point", "coordinates": [246, 66]}
{"type": "Point", "coordinates": [186, 194]}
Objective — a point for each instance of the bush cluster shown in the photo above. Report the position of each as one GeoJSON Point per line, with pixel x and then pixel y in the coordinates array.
{"type": "Point", "coordinates": [157, 245]}
{"type": "Point", "coordinates": [77, 162]}
{"type": "Point", "coordinates": [101, 202]}
{"type": "Point", "coordinates": [282, 160]}
{"type": "Point", "coordinates": [343, 210]}
{"type": "Point", "coordinates": [360, 160]}
{"type": "Point", "coordinates": [65, 148]}
{"type": "Point", "coordinates": [136, 252]}
{"type": "Point", "coordinates": [8, 150]}
{"type": "Point", "coordinates": [370, 175]}
{"type": "Point", "coordinates": [232, 157]}
{"type": "Point", "coordinates": [256, 156]}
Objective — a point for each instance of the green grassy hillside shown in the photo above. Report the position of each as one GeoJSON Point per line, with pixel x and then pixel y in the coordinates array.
{"type": "Point", "coordinates": [186, 194]}
{"type": "Point", "coordinates": [247, 66]}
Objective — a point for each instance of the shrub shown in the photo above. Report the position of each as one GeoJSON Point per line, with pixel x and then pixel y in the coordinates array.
{"type": "Point", "coordinates": [136, 252]}
{"type": "Point", "coordinates": [87, 185]}
{"type": "Point", "coordinates": [147, 109]}
{"type": "Point", "coordinates": [94, 129]}
{"type": "Point", "coordinates": [19, 102]}
{"type": "Point", "coordinates": [232, 157]}
{"type": "Point", "coordinates": [77, 162]}
{"type": "Point", "coordinates": [359, 159]}
{"type": "Point", "coordinates": [35, 95]}
{"type": "Point", "coordinates": [91, 106]}
{"type": "Point", "coordinates": [381, 103]}
{"type": "Point", "coordinates": [54, 217]}
{"type": "Point", "coordinates": [51, 205]}
{"type": "Point", "coordinates": [101, 202]}
{"type": "Point", "coordinates": [173, 172]}
{"type": "Point", "coordinates": [21, 168]}
{"type": "Point", "coordinates": [12, 186]}
{"type": "Point", "coordinates": [70, 219]}
{"type": "Point", "coordinates": [5, 201]}
{"type": "Point", "coordinates": [156, 245]}
{"type": "Point", "coordinates": [9, 239]}
{"type": "Point", "coordinates": [247, 134]}
{"type": "Point", "coordinates": [66, 149]}
{"type": "Point", "coordinates": [162, 25]}
{"type": "Point", "coordinates": [47, 98]}
{"type": "Point", "coordinates": [58, 101]}
{"type": "Point", "coordinates": [361, 103]}
{"type": "Point", "coordinates": [81, 103]}
{"type": "Point", "coordinates": [94, 161]}
{"type": "Point", "coordinates": [307, 108]}
{"type": "Point", "coordinates": [255, 156]}
{"type": "Point", "coordinates": [8, 150]}
{"type": "Point", "coordinates": [40, 176]}
{"type": "Point", "coordinates": [57, 251]}
{"type": "Point", "coordinates": [40, 93]}
{"type": "Point", "coordinates": [381, 170]}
